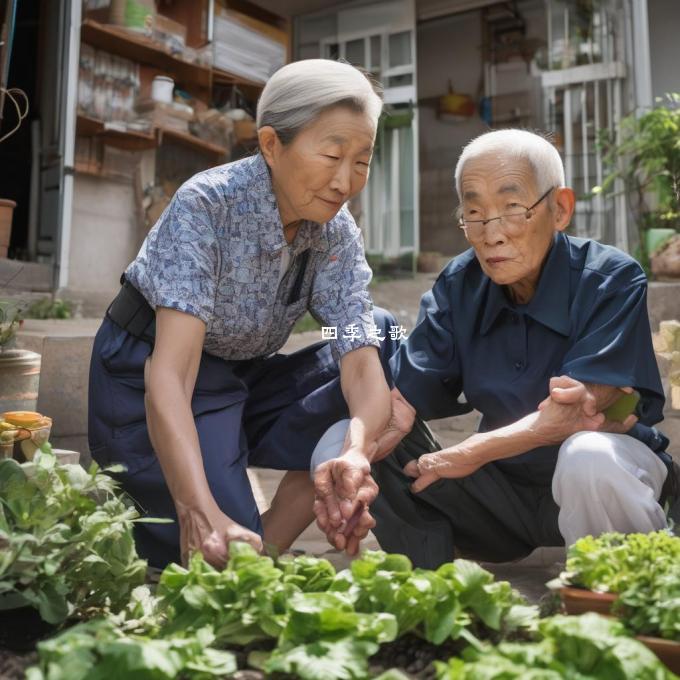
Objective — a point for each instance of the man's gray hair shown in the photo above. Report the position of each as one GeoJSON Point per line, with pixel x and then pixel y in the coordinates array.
{"type": "Point", "coordinates": [521, 144]}
{"type": "Point", "coordinates": [297, 94]}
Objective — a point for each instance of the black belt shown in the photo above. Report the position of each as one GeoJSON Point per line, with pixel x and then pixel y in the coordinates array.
{"type": "Point", "coordinates": [133, 313]}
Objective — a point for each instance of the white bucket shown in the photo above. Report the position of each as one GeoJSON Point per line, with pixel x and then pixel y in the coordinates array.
{"type": "Point", "coordinates": [161, 89]}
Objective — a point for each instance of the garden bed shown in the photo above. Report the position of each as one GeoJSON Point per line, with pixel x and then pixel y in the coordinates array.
{"type": "Point", "coordinates": [68, 555]}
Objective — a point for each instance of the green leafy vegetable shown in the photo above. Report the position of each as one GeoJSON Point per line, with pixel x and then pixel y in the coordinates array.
{"type": "Point", "coordinates": [458, 598]}
{"type": "Point", "coordinates": [99, 650]}
{"type": "Point", "coordinates": [320, 625]}
{"type": "Point", "coordinates": [244, 603]}
{"type": "Point", "coordinates": [573, 647]}
{"type": "Point", "coordinates": [310, 610]}
{"type": "Point", "coordinates": [642, 569]}
{"type": "Point", "coordinates": [66, 544]}
{"type": "Point", "coordinates": [345, 659]}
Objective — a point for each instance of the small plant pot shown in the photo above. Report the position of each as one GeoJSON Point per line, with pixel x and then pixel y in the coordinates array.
{"type": "Point", "coordinates": [580, 601]}
{"type": "Point", "coordinates": [6, 214]}
{"type": "Point", "coordinates": [21, 628]}
{"type": "Point", "coordinates": [668, 651]}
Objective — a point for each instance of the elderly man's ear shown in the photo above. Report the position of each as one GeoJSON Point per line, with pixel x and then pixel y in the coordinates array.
{"type": "Point", "coordinates": [562, 207]}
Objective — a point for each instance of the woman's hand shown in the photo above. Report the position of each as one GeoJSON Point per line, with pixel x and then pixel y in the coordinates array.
{"type": "Point", "coordinates": [452, 463]}
{"type": "Point", "coordinates": [401, 423]}
{"type": "Point", "coordinates": [210, 531]}
{"type": "Point", "coordinates": [344, 489]}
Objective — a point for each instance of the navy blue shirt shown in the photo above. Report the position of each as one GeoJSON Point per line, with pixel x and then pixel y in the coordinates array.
{"type": "Point", "coordinates": [587, 319]}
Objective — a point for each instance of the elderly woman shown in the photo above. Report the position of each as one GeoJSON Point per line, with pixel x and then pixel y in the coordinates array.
{"type": "Point", "coordinates": [541, 332]}
{"type": "Point", "coordinates": [186, 388]}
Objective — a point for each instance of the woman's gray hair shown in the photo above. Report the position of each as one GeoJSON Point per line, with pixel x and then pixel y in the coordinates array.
{"type": "Point", "coordinates": [298, 93]}
{"type": "Point", "coordinates": [521, 144]}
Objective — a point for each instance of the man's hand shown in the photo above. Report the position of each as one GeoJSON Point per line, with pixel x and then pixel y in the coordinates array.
{"type": "Point", "coordinates": [344, 489]}
{"type": "Point", "coordinates": [210, 532]}
{"type": "Point", "coordinates": [452, 463]}
{"type": "Point", "coordinates": [401, 423]}
{"type": "Point", "coordinates": [592, 400]}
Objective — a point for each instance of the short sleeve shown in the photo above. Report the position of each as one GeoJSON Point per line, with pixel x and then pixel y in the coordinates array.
{"type": "Point", "coordinates": [340, 297]}
{"type": "Point", "coordinates": [178, 264]}
{"type": "Point", "coordinates": [426, 367]}
{"type": "Point", "coordinates": [614, 345]}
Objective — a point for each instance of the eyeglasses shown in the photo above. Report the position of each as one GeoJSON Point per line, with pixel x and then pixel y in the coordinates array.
{"type": "Point", "coordinates": [513, 222]}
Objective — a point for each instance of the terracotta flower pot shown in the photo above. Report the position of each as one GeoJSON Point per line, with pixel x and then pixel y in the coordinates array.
{"type": "Point", "coordinates": [6, 213]}
{"type": "Point", "coordinates": [668, 651]}
{"type": "Point", "coordinates": [580, 601]}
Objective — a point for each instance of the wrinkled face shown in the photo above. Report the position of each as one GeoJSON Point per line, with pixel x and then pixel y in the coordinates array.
{"type": "Point", "coordinates": [324, 166]}
{"type": "Point", "coordinates": [492, 186]}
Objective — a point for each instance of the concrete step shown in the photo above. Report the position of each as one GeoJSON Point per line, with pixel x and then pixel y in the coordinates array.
{"type": "Point", "coordinates": [16, 275]}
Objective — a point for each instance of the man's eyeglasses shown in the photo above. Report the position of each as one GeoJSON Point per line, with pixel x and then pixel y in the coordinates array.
{"type": "Point", "coordinates": [513, 222]}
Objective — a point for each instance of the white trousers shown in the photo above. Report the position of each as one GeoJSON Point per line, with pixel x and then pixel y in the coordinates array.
{"type": "Point", "coordinates": [607, 482]}
{"type": "Point", "coordinates": [330, 444]}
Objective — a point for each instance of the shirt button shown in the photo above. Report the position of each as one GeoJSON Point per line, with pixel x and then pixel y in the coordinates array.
{"type": "Point", "coordinates": [519, 365]}
{"type": "Point", "coordinates": [514, 318]}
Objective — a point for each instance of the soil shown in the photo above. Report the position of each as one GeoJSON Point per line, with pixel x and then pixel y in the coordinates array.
{"type": "Point", "coordinates": [13, 666]}
{"type": "Point", "coordinates": [414, 656]}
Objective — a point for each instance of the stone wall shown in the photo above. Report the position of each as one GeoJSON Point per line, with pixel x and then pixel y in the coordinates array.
{"type": "Point", "coordinates": [667, 346]}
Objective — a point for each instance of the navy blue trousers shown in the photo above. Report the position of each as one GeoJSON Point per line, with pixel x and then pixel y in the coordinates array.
{"type": "Point", "coordinates": [265, 413]}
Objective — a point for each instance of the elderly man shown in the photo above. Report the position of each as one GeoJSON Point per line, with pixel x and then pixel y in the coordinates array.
{"type": "Point", "coordinates": [541, 332]}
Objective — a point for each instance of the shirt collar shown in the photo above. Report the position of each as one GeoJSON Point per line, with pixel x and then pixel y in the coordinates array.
{"type": "Point", "coordinates": [272, 239]}
{"type": "Point", "coordinates": [550, 303]}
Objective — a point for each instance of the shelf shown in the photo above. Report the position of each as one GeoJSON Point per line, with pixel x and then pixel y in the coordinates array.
{"type": "Point", "coordinates": [582, 74]}
{"type": "Point", "coordinates": [222, 76]}
{"type": "Point", "coordinates": [250, 88]}
{"type": "Point", "coordinates": [187, 139]}
{"type": "Point", "coordinates": [130, 140]}
{"type": "Point", "coordinates": [88, 170]}
{"type": "Point", "coordinates": [84, 169]}
{"type": "Point", "coordinates": [138, 48]}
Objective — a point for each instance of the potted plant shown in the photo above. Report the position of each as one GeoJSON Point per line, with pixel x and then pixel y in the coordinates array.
{"type": "Point", "coordinates": [67, 545]}
{"type": "Point", "coordinates": [647, 160]}
{"type": "Point", "coordinates": [634, 577]}
{"type": "Point", "coordinates": [19, 368]}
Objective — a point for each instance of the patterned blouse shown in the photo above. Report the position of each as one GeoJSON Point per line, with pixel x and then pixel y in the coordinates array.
{"type": "Point", "coordinates": [215, 253]}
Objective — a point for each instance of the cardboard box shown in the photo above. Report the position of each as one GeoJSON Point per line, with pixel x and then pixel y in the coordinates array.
{"type": "Point", "coordinates": [245, 130]}
{"type": "Point", "coordinates": [162, 115]}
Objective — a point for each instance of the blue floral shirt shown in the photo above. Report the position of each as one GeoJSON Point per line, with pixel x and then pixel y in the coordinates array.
{"type": "Point", "coordinates": [215, 253]}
